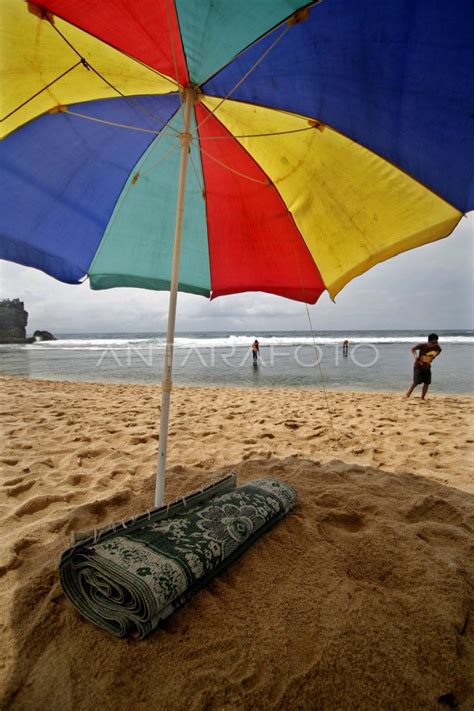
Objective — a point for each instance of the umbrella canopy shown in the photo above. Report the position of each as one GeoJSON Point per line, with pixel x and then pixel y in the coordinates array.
{"type": "Point", "coordinates": [322, 139]}
{"type": "Point", "coordinates": [346, 138]}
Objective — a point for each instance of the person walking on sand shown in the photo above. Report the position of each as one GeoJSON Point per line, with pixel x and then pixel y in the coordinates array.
{"type": "Point", "coordinates": [255, 350]}
{"type": "Point", "coordinates": [424, 354]}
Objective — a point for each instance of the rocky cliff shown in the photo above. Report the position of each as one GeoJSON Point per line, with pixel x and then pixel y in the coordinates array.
{"type": "Point", "coordinates": [13, 320]}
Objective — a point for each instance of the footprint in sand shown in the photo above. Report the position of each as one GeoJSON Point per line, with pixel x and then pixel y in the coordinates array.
{"type": "Point", "coordinates": [38, 503]}
{"type": "Point", "coordinates": [139, 439]}
{"type": "Point", "coordinates": [101, 506]}
{"type": "Point", "coordinates": [336, 523]}
{"type": "Point", "coordinates": [44, 463]}
{"type": "Point", "coordinates": [21, 487]}
{"type": "Point", "coordinates": [431, 508]}
{"type": "Point", "coordinates": [316, 432]}
{"type": "Point", "coordinates": [13, 482]}
{"type": "Point", "coordinates": [86, 517]}
{"type": "Point", "coordinates": [75, 479]}
{"type": "Point", "coordinates": [91, 453]}
{"type": "Point", "coordinates": [12, 558]}
{"type": "Point", "coordinates": [255, 454]}
{"type": "Point", "coordinates": [176, 469]}
{"type": "Point", "coordinates": [443, 536]}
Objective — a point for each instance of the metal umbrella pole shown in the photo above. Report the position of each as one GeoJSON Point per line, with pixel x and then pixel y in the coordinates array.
{"type": "Point", "coordinates": [166, 384]}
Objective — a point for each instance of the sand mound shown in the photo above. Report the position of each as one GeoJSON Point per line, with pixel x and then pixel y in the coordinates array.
{"type": "Point", "coordinates": [362, 598]}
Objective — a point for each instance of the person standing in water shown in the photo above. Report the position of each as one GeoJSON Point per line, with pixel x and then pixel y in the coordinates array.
{"type": "Point", "coordinates": [255, 351]}
{"type": "Point", "coordinates": [424, 354]}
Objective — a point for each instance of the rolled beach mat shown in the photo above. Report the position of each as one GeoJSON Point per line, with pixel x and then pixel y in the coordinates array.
{"type": "Point", "coordinates": [128, 577]}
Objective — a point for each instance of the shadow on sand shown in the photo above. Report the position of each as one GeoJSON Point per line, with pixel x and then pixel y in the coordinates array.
{"type": "Point", "coordinates": [362, 597]}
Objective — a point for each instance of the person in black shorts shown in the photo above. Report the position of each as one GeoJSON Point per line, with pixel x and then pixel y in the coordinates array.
{"type": "Point", "coordinates": [424, 353]}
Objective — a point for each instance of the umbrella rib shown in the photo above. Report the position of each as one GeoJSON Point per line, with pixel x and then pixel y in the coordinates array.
{"type": "Point", "coordinates": [120, 125]}
{"type": "Point", "coordinates": [247, 74]}
{"type": "Point", "coordinates": [156, 142]}
{"type": "Point", "coordinates": [87, 65]}
{"type": "Point", "coordinates": [173, 53]}
{"type": "Point", "coordinates": [124, 194]}
{"type": "Point", "coordinates": [172, 148]}
{"type": "Point", "coordinates": [198, 178]}
{"type": "Point", "coordinates": [40, 91]}
{"type": "Point", "coordinates": [123, 197]}
{"type": "Point", "coordinates": [268, 32]}
{"type": "Point", "coordinates": [120, 201]}
{"type": "Point", "coordinates": [175, 84]}
{"type": "Point", "coordinates": [232, 170]}
{"type": "Point", "coordinates": [257, 135]}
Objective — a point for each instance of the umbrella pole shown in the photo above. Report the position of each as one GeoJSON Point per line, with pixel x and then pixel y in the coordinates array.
{"type": "Point", "coordinates": [166, 384]}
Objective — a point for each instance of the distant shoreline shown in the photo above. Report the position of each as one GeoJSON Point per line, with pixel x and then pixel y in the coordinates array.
{"type": "Point", "coordinates": [378, 361]}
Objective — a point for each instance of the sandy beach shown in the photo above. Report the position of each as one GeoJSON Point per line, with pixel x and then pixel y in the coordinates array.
{"type": "Point", "coordinates": [361, 598]}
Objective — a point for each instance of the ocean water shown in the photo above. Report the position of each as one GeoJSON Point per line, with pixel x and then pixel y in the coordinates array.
{"type": "Point", "coordinates": [377, 360]}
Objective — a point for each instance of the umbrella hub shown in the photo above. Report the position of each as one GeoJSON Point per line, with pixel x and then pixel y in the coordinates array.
{"type": "Point", "coordinates": [186, 139]}
{"type": "Point", "coordinates": [192, 93]}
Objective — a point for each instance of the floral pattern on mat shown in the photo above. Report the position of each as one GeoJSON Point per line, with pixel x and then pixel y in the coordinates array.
{"type": "Point", "coordinates": [131, 579]}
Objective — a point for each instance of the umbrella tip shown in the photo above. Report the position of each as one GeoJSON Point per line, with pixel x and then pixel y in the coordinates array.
{"type": "Point", "coordinates": [40, 12]}
{"type": "Point", "coordinates": [299, 16]}
{"type": "Point", "coordinates": [314, 123]}
{"type": "Point", "coordinates": [59, 109]}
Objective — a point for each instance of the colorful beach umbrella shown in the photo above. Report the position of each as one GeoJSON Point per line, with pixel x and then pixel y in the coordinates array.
{"type": "Point", "coordinates": [217, 147]}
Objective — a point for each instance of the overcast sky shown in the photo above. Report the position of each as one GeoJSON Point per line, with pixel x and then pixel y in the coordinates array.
{"type": "Point", "coordinates": [427, 288]}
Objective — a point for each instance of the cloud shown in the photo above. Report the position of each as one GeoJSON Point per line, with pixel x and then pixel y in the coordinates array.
{"type": "Point", "coordinates": [429, 287]}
